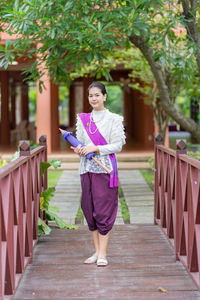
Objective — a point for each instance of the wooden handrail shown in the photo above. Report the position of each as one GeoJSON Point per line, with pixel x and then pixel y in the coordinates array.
{"type": "Point", "coordinates": [20, 189]}
{"type": "Point", "coordinates": [177, 203]}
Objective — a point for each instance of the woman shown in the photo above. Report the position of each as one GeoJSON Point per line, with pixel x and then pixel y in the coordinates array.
{"type": "Point", "coordinates": [102, 132]}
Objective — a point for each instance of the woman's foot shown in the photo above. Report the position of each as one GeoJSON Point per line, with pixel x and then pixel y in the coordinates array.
{"type": "Point", "coordinates": [102, 262]}
{"type": "Point", "coordinates": [91, 260]}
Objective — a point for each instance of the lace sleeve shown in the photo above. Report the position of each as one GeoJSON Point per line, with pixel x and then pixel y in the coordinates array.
{"type": "Point", "coordinates": [79, 130]}
{"type": "Point", "coordinates": [117, 138]}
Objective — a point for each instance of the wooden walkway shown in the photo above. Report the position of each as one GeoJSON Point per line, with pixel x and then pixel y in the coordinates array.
{"type": "Point", "coordinates": [140, 262]}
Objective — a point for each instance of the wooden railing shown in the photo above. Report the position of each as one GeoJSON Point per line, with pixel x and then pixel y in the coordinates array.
{"type": "Point", "coordinates": [20, 189]}
{"type": "Point", "coordinates": [177, 203]}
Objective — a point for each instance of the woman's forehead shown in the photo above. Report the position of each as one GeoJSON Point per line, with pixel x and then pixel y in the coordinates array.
{"type": "Point", "coordinates": [94, 90]}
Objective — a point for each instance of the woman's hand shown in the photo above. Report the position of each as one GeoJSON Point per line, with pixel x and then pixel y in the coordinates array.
{"type": "Point", "coordinates": [83, 151]}
{"type": "Point", "coordinates": [76, 149]}
{"type": "Point", "coordinates": [88, 149]}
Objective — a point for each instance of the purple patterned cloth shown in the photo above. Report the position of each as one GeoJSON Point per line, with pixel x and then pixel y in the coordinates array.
{"type": "Point", "coordinates": [99, 202]}
{"type": "Point", "coordinates": [98, 139]}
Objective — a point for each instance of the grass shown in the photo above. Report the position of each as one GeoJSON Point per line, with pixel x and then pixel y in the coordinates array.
{"type": "Point", "coordinates": [53, 177]}
{"type": "Point", "coordinates": [124, 206]}
{"type": "Point", "coordinates": [79, 216]}
{"type": "Point", "coordinates": [148, 175]}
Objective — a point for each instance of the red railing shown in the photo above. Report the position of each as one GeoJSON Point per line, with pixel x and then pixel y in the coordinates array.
{"type": "Point", "coordinates": [177, 203]}
{"type": "Point", "coordinates": [20, 189]}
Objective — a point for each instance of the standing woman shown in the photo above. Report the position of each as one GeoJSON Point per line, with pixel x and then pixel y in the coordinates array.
{"type": "Point", "coordinates": [103, 133]}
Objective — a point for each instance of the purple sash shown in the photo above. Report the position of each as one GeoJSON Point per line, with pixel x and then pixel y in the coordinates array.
{"type": "Point", "coordinates": [98, 139]}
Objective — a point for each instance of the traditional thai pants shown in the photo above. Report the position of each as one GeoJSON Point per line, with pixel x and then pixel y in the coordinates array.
{"type": "Point", "coordinates": [99, 202]}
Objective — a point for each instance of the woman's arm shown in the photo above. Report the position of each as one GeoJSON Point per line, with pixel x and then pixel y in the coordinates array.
{"type": "Point", "coordinates": [117, 138]}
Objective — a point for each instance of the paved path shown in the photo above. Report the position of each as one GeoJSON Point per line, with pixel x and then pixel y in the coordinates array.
{"type": "Point", "coordinates": [67, 196]}
{"type": "Point", "coordinates": [138, 195]}
{"type": "Point", "coordinates": [140, 262]}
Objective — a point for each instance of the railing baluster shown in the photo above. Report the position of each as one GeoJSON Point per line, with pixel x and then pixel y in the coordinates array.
{"type": "Point", "coordinates": [20, 191]}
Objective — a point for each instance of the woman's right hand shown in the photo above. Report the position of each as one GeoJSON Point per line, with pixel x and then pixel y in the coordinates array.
{"type": "Point", "coordinates": [76, 149]}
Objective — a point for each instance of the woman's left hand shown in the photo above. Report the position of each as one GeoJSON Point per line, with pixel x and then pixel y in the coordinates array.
{"type": "Point", "coordinates": [88, 149]}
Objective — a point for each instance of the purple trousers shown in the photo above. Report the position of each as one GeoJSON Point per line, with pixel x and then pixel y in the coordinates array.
{"type": "Point", "coordinates": [99, 202]}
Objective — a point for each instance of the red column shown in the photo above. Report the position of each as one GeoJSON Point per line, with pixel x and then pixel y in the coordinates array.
{"type": "Point", "coordinates": [24, 102]}
{"type": "Point", "coordinates": [47, 114]}
{"type": "Point", "coordinates": [86, 105]}
{"type": "Point", "coordinates": [13, 105]}
{"type": "Point", "coordinates": [5, 126]}
{"type": "Point", "coordinates": [54, 98]}
{"type": "Point", "coordinates": [72, 110]}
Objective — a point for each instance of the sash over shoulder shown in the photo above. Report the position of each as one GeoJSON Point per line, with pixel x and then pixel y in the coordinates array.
{"type": "Point", "coordinates": [98, 139]}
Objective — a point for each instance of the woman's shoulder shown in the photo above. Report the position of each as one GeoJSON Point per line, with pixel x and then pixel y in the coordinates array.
{"type": "Point", "coordinates": [115, 116]}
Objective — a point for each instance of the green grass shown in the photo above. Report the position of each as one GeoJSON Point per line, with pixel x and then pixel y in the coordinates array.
{"type": "Point", "coordinates": [79, 216]}
{"type": "Point", "coordinates": [148, 175]}
{"type": "Point", "coordinates": [124, 206]}
{"type": "Point", "coordinates": [53, 177]}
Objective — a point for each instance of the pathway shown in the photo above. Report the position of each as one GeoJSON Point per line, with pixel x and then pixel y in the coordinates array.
{"type": "Point", "coordinates": [141, 261]}
{"type": "Point", "coordinates": [139, 197]}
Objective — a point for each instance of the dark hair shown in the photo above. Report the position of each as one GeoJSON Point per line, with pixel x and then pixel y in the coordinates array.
{"type": "Point", "coordinates": [98, 85]}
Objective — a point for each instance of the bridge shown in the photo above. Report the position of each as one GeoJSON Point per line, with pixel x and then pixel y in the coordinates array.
{"type": "Point", "coordinates": [156, 259]}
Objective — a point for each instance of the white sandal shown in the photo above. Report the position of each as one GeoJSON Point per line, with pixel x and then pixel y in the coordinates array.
{"type": "Point", "coordinates": [91, 260]}
{"type": "Point", "coordinates": [102, 262]}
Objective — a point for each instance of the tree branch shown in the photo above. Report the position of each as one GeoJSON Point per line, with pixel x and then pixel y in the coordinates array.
{"type": "Point", "coordinates": [191, 25]}
{"type": "Point", "coordinates": [165, 100]}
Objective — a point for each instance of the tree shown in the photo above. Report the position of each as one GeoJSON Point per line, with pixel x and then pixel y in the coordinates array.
{"type": "Point", "coordinates": [67, 34]}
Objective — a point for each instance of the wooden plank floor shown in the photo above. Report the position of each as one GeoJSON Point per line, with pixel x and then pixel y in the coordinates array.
{"type": "Point", "coordinates": [140, 261]}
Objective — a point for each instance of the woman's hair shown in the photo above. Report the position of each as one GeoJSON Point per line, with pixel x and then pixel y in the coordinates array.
{"type": "Point", "coordinates": [98, 85]}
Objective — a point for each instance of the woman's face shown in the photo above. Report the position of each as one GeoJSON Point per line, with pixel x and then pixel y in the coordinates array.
{"type": "Point", "coordinates": [96, 98]}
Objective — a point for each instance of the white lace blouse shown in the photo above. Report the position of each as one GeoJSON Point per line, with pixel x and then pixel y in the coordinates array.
{"type": "Point", "coordinates": [111, 127]}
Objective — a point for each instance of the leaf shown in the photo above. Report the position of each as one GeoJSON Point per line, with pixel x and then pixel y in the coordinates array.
{"type": "Point", "coordinates": [59, 222]}
{"type": "Point", "coordinates": [43, 227]}
{"type": "Point", "coordinates": [53, 208]}
{"type": "Point", "coordinates": [44, 165]}
{"type": "Point", "coordinates": [162, 290]}
{"type": "Point", "coordinates": [47, 195]}
{"type": "Point", "coordinates": [55, 163]}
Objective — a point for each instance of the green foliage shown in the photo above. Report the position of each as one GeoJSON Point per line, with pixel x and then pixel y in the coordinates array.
{"type": "Point", "coordinates": [79, 219]}
{"type": "Point", "coordinates": [43, 227]}
{"type": "Point", "coordinates": [148, 175]}
{"type": "Point", "coordinates": [194, 154]}
{"type": "Point", "coordinates": [45, 165]}
{"type": "Point", "coordinates": [151, 162]}
{"type": "Point", "coordinates": [3, 162]}
{"type": "Point", "coordinates": [124, 206]}
{"type": "Point", "coordinates": [50, 216]}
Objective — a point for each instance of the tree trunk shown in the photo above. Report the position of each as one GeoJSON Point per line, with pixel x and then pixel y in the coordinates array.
{"type": "Point", "coordinates": [168, 106]}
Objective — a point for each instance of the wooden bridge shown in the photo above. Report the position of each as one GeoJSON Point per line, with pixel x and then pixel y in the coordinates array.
{"type": "Point", "coordinates": [146, 261]}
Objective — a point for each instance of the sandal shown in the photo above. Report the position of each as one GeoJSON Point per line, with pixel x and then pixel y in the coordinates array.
{"type": "Point", "coordinates": [91, 260]}
{"type": "Point", "coordinates": [102, 262]}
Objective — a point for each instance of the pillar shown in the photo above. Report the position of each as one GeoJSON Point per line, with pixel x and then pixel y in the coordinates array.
{"type": "Point", "coordinates": [86, 105]}
{"type": "Point", "coordinates": [13, 106]}
{"type": "Point", "coordinates": [24, 102]}
{"type": "Point", "coordinates": [72, 110]}
{"type": "Point", "coordinates": [47, 114]}
{"type": "Point", "coordinates": [5, 126]}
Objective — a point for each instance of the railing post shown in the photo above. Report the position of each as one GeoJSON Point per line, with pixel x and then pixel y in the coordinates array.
{"type": "Point", "coordinates": [24, 148]}
{"type": "Point", "coordinates": [43, 142]}
{"type": "Point", "coordinates": [180, 149]}
{"type": "Point", "coordinates": [158, 141]}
